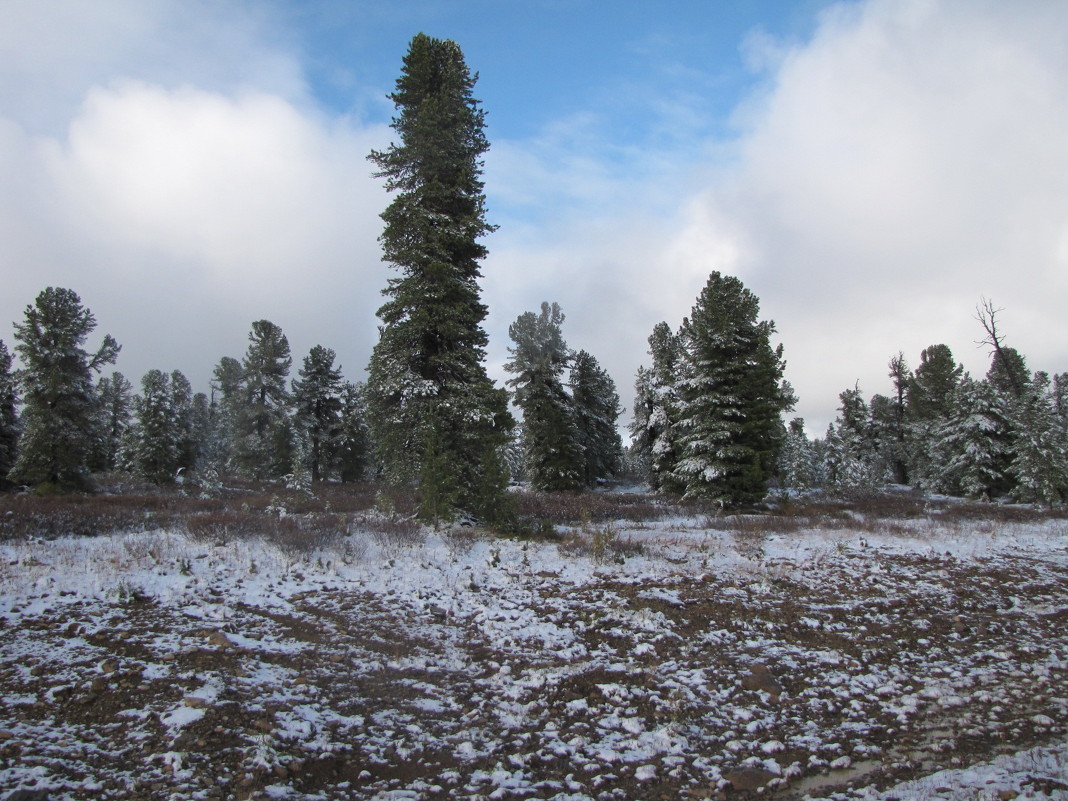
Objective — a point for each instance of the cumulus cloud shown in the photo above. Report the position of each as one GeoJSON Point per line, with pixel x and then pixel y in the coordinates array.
{"type": "Point", "coordinates": [901, 164]}
{"type": "Point", "coordinates": [181, 214]}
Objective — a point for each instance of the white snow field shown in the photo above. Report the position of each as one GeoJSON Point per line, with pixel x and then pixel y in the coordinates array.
{"type": "Point", "coordinates": [690, 657]}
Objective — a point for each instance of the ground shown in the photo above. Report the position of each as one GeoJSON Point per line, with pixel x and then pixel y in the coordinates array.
{"type": "Point", "coordinates": [687, 656]}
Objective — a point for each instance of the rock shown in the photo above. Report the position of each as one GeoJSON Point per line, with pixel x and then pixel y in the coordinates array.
{"type": "Point", "coordinates": [748, 779]}
{"type": "Point", "coordinates": [219, 638]}
{"type": "Point", "coordinates": [761, 679]}
{"type": "Point", "coordinates": [28, 795]}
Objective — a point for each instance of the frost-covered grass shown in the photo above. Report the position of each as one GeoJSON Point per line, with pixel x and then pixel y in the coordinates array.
{"type": "Point", "coordinates": [661, 651]}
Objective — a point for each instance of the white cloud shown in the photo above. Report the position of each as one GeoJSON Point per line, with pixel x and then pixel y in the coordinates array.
{"type": "Point", "coordinates": [901, 164]}
{"type": "Point", "coordinates": [182, 215]}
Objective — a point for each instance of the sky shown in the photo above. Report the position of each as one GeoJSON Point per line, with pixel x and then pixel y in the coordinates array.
{"type": "Point", "coordinates": [871, 169]}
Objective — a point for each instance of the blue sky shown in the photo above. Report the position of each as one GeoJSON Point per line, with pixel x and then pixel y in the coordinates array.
{"type": "Point", "coordinates": [871, 169]}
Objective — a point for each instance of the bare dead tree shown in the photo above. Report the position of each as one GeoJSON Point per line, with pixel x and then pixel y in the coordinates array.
{"type": "Point", "coordinates": [986, 314]}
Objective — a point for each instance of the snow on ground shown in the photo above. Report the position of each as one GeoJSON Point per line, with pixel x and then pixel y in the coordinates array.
{"type": "Point", "coordinates": [677, 658]}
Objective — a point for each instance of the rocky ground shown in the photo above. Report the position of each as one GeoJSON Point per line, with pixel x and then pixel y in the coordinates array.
{"type": "Point", "coordinates": [679, 659]}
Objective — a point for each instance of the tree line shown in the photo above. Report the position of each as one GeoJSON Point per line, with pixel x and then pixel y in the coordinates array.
{"type": "Point", "coordinates": [255, 423]}
{"type": "Point", "coordinates": [708, 418]}
{"type": "Point", "coordinates": [1003, 435]}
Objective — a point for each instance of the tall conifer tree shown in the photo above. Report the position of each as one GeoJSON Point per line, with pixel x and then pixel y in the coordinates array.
{"type": "Point", "coordinates": [264, 446]}
{"type": "Point", "coordinates": [596, 404]}
{"type": "Point", "coordinates": [732, 396]}
{"type": "Point", "coordinates": [552, 452]}
{"type": "Point", "coordinates": [317, 402]}
{"type": "Point", "coordinates": [57, 389]}
{"type": "Point", "coordinates": [430, 401]}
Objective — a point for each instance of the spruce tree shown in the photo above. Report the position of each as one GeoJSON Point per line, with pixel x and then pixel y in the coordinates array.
{"type": "Point", "coordinates": [929, 394]}
{"type": "Point", "coordinates": [971, 446]}
{"type": "Point", "coordinates": [552, 452]}
{"type": "Point", "coordinates": [227, 407]}
{"type": "Point", "coordinates": [317, 409]}
{"type": "Point", "coordinates": [114, 398]}
{"type": "Point", "coordinates": [430, 402]}
{"type": "Point", "coordinates": [656, 410]}
{"type": "Point", "coordinates": [353, 445]}
{"type": "Point", "coordinates": [57, 389]}
{"type": "Point", "coordinates": [596, 407]}
{"type": "Point", "coordinates": [1039, 464]}
{"type": "Point", "coordinates": [152, 448]}
{"type": "Point", "coordinates": [263, 447]}
{"type": "Point", "coordinates": [852, 458]}
{"type": "Point", "coordinates": [185, 425]}
{"type": "Point", "coordinates": [731, 398]}
{"type": "Point", "coordinates": [9, 421]}
{"type": "Point", "coordinates": [798, 470]}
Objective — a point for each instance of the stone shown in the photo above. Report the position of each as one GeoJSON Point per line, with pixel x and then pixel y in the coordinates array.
{"type": "Point", "coordinates": [760, 678]}
{"type": "Point", "coordinates": [219, 639]}
{"type": "Point", "coordinates": [748, 779]}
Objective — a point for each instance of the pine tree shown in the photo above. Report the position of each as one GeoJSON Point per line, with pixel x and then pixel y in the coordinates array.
{"type": "Point", "coordinates": [928, 407]}
{"type": "Point", "coordinates": [972, 444]}
{"type": "Point", "coordinates": [888, 418]}
{"type": "Point", "coordinates": [353, 444]}
{"type": "Point", "coordinates": [317, 409]}
{"type": "Point", "coordinates": [114, 398]}
{"type": "Point", "coordinates": [731, 398]}
{"type": "Point", "coordinates": [152, 446]}
{"type": "Point", "coordinates": [656, 405]}
{"type": "Point", "coordinates": [263, 447]}
{"type": "Point", "coordinates": [596, 407]}
{"type": "Point", "coordinates": [552, 453]}
{"type": "Point", "coordinates": [428, 393]}
{"type": "Point", "coordinates": [851, 454]}
{"type": "Point", "coordinates": [182, 408]}
{"type": "Point", "coordinates": [227, 408]}
{"type": "Point", "coordinates": [798, 470]}
{"type": "Point", "coordinates": [9, 421]}
{"type": "Point", "coordinates": [57, 389]}
{"type": "Point", "coordinates": [1040, 446]}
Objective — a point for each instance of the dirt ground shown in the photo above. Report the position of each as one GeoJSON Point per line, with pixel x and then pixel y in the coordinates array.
{"type": "Point", "coordinates": [788, 679]}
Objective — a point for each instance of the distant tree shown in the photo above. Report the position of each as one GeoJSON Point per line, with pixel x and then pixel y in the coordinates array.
{"type": "Point", "coordinates": [929, 394]}
{"type": "Point", "coordinates": [152, 445]}
{"type": "Point", "coordinates": [317, 407]}
{"type": "Point", "coordinates": [888, 419]}
{"type": "Point", "coordinates": [430, 402]}
{"type": "Point", "coordinates": [226, 408]}
{"type": "Point", "coordinates": [972, 445]}
{"type": "Point", "coordinates": [189, 446]}
{"type": "Point", "coordinates": [353, 447]}
{"type": "Point", "coordinates": [656, 410]}
{"type": "Point", "coordinates": [731, 398]}
{"type": "Point", "coordinates": [852, 459]}
{"type": "Point", "coordinates": [57, 389]}
{"type": "Point", "coordinates": [1008, 373]}
{"type": "Point", "coordinates": [798, 469]}
{"type": "Point", "coordinates": [114, 408]}
{"type": "Point", "coordinates": [596, 408]}
{"type": "Point", "coordinates": [200, 432]}
{"type": "Point", "coordinates": [1040, 446]}
{"type": "Point", "coordinates": [263, 447]}
{"type": "Point", "coordinates": [9, 421]}
{"type": "Point", "coordinates": [552, 452]}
